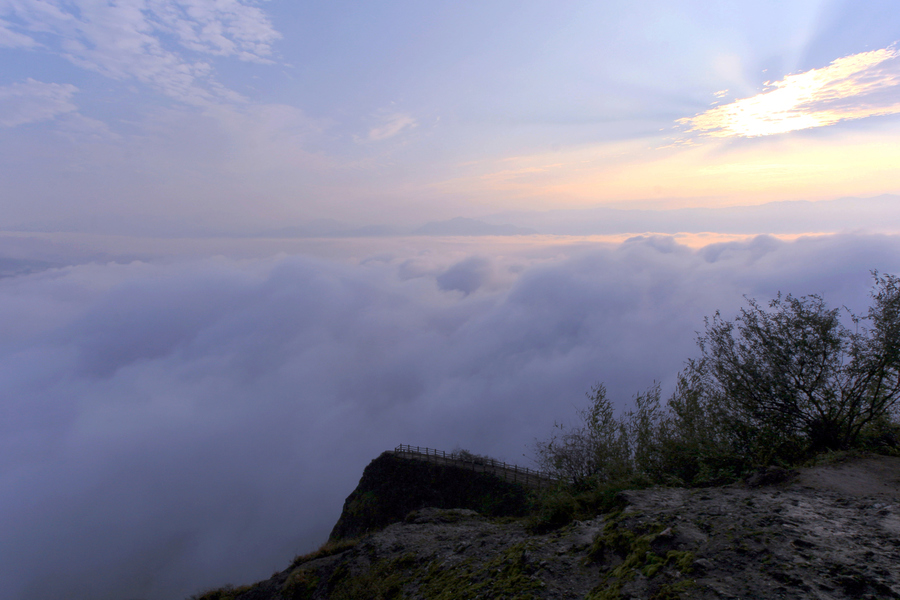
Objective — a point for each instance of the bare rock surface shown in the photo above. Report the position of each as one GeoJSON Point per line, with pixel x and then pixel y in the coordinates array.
{"type": "Point", "coordinates": [826, 532]}
{"type": "Point", "coordinates": [871, 476]}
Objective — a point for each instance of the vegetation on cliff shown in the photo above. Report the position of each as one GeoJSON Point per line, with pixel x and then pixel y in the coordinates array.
{"type": "Point", "coordinates": [775, 386]}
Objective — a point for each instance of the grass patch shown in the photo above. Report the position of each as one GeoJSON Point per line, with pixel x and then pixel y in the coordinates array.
{"type": "Point", "coordinates": [329, 548]}
{"type": "Point", "coordinates": [507, 576]}
{"type": "Point", "coordinates": [557, 507]}
{"type": "Point", "coordinates": [637, 558]}
{"type": "Point", "coordinates": [384, 580]}
{"type": "Point", "coordinates": [300, 585]}
{"type": "Point", "coordinates": [228, 592]}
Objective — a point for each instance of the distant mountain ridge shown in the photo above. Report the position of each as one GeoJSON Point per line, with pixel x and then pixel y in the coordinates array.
{"type": "Point", "coordinates": [783, 217]}
{"type": "Point", "coordinates": [878, 213]}
{"type": "Point", "coordinates": [460, 226]}
{"type": "Point", "coordinates": [464, 226]}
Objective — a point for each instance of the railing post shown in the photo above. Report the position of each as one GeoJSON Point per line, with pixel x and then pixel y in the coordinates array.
{"type": "Point", "coordinates": [498, 468]}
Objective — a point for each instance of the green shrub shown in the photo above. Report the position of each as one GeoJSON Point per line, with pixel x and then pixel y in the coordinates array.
{"type": "Point", "coordinates": [300, 585]}
{"type": "Point", "coordinates": [552, 509]}
{"type": "Point", "coordinates": [229, 592]}
{"type": "Point", "coordinates": [881, 436]}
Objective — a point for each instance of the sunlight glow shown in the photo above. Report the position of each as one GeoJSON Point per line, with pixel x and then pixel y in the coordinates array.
{"type": "Point", "coordinates": [862, 163]}
{"type": "Point", "coordinates": [853, 87]}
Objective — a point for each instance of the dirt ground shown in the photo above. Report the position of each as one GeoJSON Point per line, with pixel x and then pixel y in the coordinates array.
{"type": "Point", "coordinates": [868, 476]}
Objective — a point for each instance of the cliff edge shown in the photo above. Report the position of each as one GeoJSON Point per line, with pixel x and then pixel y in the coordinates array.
{"type": "Point", "coordinates": [392, 486]}
{"type": "Point", "coordinates": [830, 532]}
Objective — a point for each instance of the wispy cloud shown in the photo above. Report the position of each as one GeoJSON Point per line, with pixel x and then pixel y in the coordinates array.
{"type": "Point", "coordinates": [34, 101]}
{"type": "Point", "coordinates": [853, 87]}
{"type": "Point", "coordinates": [391, 125]}
{"type": "Point", "coordinates": [152, 41]}
{"type": "Point", "coordinates": [11, 39]}
{"type": "Point", "coordinates": [219, 27]}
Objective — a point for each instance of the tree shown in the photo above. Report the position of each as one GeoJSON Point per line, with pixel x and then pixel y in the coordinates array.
{"type": "Point", "coordinates": [595, 451]}
{"type": "Point", "coordinates": [605, 448]}
{"type": "Point", "coordinates": [775, 384]}
{"type": "Point", "coordinates": [793, 378]}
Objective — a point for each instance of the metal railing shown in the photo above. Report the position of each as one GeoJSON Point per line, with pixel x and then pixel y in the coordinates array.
{"type": "Point", "coordinates": [480, 464]}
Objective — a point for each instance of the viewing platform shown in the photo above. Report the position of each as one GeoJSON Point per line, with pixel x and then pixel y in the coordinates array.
{"type": "Point", "coordinates": [479, 464]}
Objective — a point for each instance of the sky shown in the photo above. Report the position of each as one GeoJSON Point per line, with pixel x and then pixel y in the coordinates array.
{"type": "Point", "coordinates": [246, 246]}
{"type": "Point", "coordinates": [239, 116]}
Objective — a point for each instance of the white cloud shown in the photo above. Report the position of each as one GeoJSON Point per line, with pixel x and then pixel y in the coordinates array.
{"type": "Point", "coordinates": [130, 39]}
{"type": "Point", "coordinates": [853, 87]}
{"type": "Point", "coordinates": [34, 101]}
{"type": "Point", "coordinates": [159, 420]}
{"type": "Point", "coordinates": [12, 39]}
{"type": "Point", "coordinates": [391, 125]}
{"type": "Point", "coordinates": [219, 28]}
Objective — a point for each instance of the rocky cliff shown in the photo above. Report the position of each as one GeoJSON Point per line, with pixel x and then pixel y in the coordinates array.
{"type": "Point", "coordinates": [828, 532]}
{"type": "Point", "coordinates": [392, 486]}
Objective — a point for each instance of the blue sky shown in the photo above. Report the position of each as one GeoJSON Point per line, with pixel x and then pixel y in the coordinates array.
{"type": "Point", "coordinates": [241, 115]}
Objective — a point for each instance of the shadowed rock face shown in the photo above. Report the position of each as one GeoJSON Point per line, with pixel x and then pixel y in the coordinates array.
{"type": "Point", "coordinates": [828, 532]}
{"type": "Point", "coordinates": [391, 487]}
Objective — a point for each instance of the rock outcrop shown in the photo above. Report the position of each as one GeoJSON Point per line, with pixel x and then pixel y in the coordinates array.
{"type": "Point", "coordinates": [827, 532]}
{"type": "Point", "coordinates": [392, 486]}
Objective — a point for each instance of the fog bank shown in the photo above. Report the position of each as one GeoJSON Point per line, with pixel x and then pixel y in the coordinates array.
{"type": "Point", "coordinates": [170, 425]}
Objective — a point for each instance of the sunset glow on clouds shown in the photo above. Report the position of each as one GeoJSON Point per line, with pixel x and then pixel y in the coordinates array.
{"type": "Point", "coordinates": [853, 87]}
{"type": "Point", "coordinates": [705, 171]}
{"type": "Point", "coordinates": [704, 174]}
